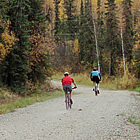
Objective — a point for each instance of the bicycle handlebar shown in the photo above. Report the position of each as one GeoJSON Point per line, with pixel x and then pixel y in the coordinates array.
{"type": "Point", "coordinates": [74, 87]}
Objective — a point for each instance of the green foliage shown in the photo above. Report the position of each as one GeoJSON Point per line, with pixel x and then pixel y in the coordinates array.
{"type": "Point", "coordinates": [70, 19]}
{"type": "Point", "coordinates": [39, 62]}
{"type": "Point", "coordinates": [112, 41]}
{"type": "Point", "coordinates": [136, 54]}
{"type": "Point", "coordinates": [14, 67]}
{"type": "Point", "coordinates": [87, 52]}
{"type": "Point", "coordinates": [3, 11]}
{"type": "Point", "coordinates": [101, 36]}
{"type": "Point", "coordinates": [137, 89]}
{"type": "Point", "coordinates": [28, 60]}
{"type": "Point", "coordinates": [57, 20]}
{"type": "Point", "coordinates": [128, 29]}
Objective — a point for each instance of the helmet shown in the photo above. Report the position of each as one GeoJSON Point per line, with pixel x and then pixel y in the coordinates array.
{"type": "Point", "coordinates": [66, 73]}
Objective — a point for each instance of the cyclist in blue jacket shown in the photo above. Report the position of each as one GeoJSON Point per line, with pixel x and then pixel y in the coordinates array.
{"type": "Point", "coordinates": [96, 78]}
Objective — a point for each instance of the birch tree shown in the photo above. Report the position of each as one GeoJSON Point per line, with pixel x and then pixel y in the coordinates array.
{"type": "Point", "coordinates": [96, 40]}
{"type": "Point", "coordinates": [122, 41]}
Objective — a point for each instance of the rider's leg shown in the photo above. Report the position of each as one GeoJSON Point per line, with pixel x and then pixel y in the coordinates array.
{"type": "Point", "coordinates": [94, 85]}
{"type": "Point", "coordinates": [71, 97]}
{"type": "Point", "coordinates": [97, 84]}
{"type": "Point", "coordinates": [98, 87]}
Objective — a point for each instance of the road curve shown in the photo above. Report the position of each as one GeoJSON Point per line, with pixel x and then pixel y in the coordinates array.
{"type": "Point", "coordinates": [103, 117]}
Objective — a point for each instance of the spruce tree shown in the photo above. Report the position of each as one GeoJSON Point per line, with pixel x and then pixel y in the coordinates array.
{"type": "Point", "coordinates": [3, 15]}
{"type": "Point", "coordinates": [39, 70]}
{"type": "Point", "coordinates": [15, 67]}
{"type": "Point", "coordinates": [71, 20]}
{"type": "Point", "coordinates": [57, 20]}
{"type": "Point", "coordinates": [86, 35]}
{"type": "Point", "coordinates": [101, 34]}
{"type": "Point", "coordinates": [112, 42]}
{"type": "Point", "coordinates": [128, 29]}
{"type": "Point", "coordinates": [28, 23]}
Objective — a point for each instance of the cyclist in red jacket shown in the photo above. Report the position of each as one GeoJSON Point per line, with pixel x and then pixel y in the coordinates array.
{"type": "Point", "coordinates": [67, 83]}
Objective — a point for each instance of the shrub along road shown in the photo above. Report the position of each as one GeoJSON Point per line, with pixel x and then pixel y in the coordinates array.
{"type": "Point", "coordinates": [103, 117]}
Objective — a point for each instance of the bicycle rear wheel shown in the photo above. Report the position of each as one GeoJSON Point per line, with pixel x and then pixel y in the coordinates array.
{"type": "Point", "coordinates": [67, 102]}
{"type": "Point", "coordinates": [96, 92]}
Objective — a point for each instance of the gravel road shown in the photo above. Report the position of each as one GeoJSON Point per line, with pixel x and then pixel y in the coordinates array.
{"type": "Point", "coordinates": [103, 117]}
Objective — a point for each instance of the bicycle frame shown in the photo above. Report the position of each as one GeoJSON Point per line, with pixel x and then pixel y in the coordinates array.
{"type": "Point", "coordinates": [68, 102]}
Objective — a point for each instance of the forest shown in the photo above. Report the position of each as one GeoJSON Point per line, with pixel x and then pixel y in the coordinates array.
{"type": "Point", "coordinates": [39, 38]}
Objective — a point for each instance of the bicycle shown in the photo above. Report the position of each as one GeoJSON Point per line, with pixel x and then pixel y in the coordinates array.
{"type": "Point", "coordinates": [68, 102]}
{"type": "Point", "coordinates": [96, 91]}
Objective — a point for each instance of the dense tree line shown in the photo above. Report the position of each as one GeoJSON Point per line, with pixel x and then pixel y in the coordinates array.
{"type": "Point", "coordinates": [26, 64]}
{"type": "Point", "coordinates": [108, 35]}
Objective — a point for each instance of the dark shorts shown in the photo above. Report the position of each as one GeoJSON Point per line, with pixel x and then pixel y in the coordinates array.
{"type": "Point", "coordinates": [67, 88]}
{"type": "Point", "coordinates": [95, 79]}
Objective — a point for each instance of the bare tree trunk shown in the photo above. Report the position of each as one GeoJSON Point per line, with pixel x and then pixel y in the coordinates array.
{"type": "Point", "coordinates": [110, 64]}
{"type": "Point", "coordinates": [95, 35]}
{"type": "Point", "coordinates": [124, 64]}
{"type": "Point", "coordinates": [97, 48]}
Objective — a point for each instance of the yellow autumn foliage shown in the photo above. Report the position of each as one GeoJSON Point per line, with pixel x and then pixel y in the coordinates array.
{"type": "Point", "coordinates": [8, 40]}
{"type": "Point", "coordinates": [76, 46]}
{"type": "Point", "coordinates": [128, 81]}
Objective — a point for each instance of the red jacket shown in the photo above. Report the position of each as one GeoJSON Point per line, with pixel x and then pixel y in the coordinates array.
{"type": "Point", "coordinates": [67, 80]}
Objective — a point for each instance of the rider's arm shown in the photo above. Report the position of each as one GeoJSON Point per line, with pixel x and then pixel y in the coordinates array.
{"type": "Point", "coordinates": [74, 82]}
{"type": "Point", "coordinates": [100, 76]}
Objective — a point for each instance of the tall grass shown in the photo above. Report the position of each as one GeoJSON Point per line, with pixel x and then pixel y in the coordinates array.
{"type": "Point", "coordinates": [127, 81]}
{"type": "Point", "coordinates": [10, 101]}
{"type": "Point", "coordinates": [82, 78]}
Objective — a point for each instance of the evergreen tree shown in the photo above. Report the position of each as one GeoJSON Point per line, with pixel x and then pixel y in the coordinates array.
{"type": "Point", "coordinates": [81, 32]}
{"type": "Point", "coordinates": [25, 63]}
{"type": "Point", "coordinates": [57, 20]}
{"type": "Point", "coordinates": [112, 42]}
{"type": "Point", "coordinates": [3, 10]}
{"type": "Point", "coordinates": [128, 29]}
{"type": "Point", "coordinates": [86, 35]}
{"type": "Point", "coordinates": [15, 67]}
{"type": "Point", "coordinates": [100, 34]}
{"type": "Point", "coordinates": [71, 20]}
{"type": "Point", "coordinates": [39, 64]}
{"type": "Point", "coordinates": [3, 7]}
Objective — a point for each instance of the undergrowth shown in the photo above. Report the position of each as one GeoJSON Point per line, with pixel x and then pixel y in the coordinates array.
{"type": "Point", "coordinates": [10, 101]}
{"type": "Point", "coordinates": [125, 82]}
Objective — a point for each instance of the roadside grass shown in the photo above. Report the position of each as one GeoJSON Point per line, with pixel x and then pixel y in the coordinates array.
{"type": "Point", "coordinates": [134, 120]}
{"type": "Point", "coordinates": [82, 78]}
{"type": "Point", "coordinates": [113, 83]}
{"type": "Point", "coordinates": [10, 102]}
{"type": "Point", "coordinates": [137, 89]}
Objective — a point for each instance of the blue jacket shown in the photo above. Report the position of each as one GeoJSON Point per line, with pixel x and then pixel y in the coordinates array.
{"type": "Point", "coordinates": [96, 73]}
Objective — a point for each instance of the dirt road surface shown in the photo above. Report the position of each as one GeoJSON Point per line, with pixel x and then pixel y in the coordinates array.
{"type": "Point", "coordinates": [103, 117]}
